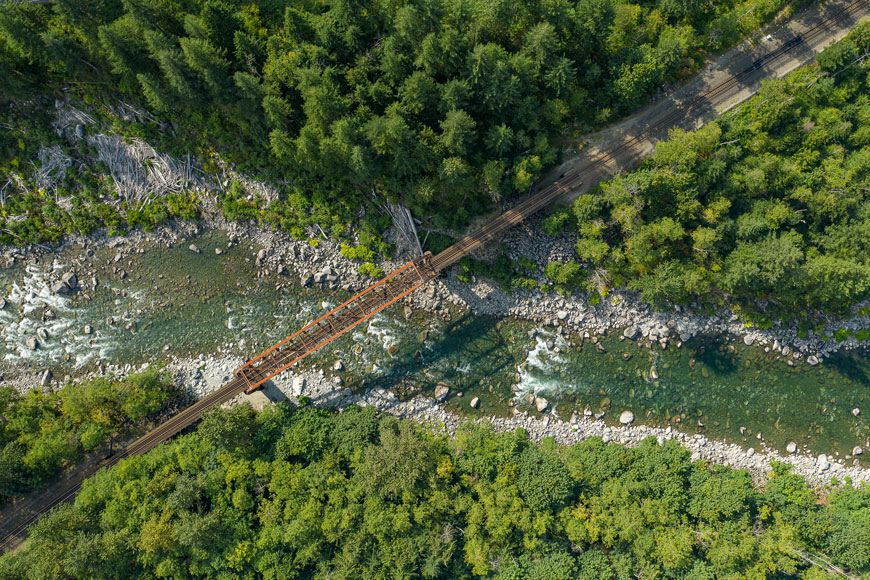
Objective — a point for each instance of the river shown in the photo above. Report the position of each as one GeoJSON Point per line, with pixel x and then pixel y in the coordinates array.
{"type": "Point", "coordinates": [170, 301]}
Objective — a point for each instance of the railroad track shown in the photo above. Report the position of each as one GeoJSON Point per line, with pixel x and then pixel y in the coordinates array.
{"type": "Point", "coordinates": [281, 356]}
{"type": "Point", "coordinates": [555, 190]}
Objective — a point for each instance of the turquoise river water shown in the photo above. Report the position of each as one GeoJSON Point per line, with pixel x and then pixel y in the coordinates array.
{"type": "Point", "coordinates": [196, 303]}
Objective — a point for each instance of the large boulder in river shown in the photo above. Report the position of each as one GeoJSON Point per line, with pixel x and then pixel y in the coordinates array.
{"type": "Point", "coordinates": [193, 248]}
{"type": "Point", "coordinates": [60, 288]}
{"type": "Point", "coordinates": [626, 417]}
{"type": "Point", "coordinates": [441, 391]}
{"type": "Point", "coordinates": [541, 404]}
{"type": "Point", "coordinates": [70, 279]}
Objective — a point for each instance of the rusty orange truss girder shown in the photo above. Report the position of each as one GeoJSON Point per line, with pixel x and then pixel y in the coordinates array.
{"type": "Point", "coordinates": [336, 322]}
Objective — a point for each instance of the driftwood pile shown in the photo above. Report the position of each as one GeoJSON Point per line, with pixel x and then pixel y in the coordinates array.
{"type": "Point", "coordinates": [53, 163]}
{"type": "Point", "coordinates": [140, 173]}
{"type": "Point", "coordinates": [403, 222]}
{"type": "Point", "coordinates": [69, 118]}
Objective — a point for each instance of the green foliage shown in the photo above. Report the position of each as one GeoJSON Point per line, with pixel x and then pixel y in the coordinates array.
{"type": "Point", "coordinates": [768, 202]}
{"type": "Point", "coordinates": [41, 433]}
{"type": "Point", "coordinates": [451, 107]}
{"type": "Point", "coordinates": [360, 252]}
{"type": "Point", "coordinates": [557, 222]}
{"type": "Point", "coordinates": [290, 493]}
{"type": "Point", "coordinates": [370, 270]}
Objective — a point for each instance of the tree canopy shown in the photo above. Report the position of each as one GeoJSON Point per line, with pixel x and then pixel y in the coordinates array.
{"type": "Point", "coordinates": [769, 201]}
{"type": "Point", "coordinates": [338, 99]}
{"type": "Point", "coordinates": [313, 493]}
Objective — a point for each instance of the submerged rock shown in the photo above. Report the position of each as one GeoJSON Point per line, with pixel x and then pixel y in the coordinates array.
{"type": "Point", "coordinates": [475, 402]}
{"type": "Point", "coordinates": [856, 411]}
{"type": "Point", "coordinates": [194, 249]}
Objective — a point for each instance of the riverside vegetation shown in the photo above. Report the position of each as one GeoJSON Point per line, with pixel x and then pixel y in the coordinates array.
{"type": "Point", "coordinates": [770, 201]}
{"type": "Point", "coordinates": [309, 493]}
{"type": "Point", "coordinates": [44, 432]}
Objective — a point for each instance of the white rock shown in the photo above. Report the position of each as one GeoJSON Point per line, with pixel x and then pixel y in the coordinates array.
{"type": "Point", "coordinates": [654, 374]}
{"type": "Point", "coordinates": [791, 447]}
{"type": "Point", "coordinates": [626, 417]}
{"type": "Point", "coordinates": [856, 411]}
{"type": "Point", "coordinates": [541, 404]}
{"type": "Point", "coordinates": [338, 365]}
{"type": "Point", "coordinates": [298, 386]}
{"type": "Point", "coordinates": [748, 339]}
{"type": "Point", "coordinates": [562, 314]}
{"type": "Point", "coordinates": [194, 249]}
{"type": "Point", "coordinates": [46, 378]}
{"type": "Point", "coordinates": [750, 452]}
{"type": "Point", "coordinates": [857, 451]}
{"type": "Point", "coordinates": [822, 462]}
{"type": "Point", "coordinates": [88, 329]}
{"type": "Point", "coordinates": [631, 333]}
{"type": "Point", "coordinates": [812, 360]}
{"type": "Point", "coordinates": [475, 402]}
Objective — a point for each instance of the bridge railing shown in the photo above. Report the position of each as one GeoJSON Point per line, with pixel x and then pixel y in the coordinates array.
{"type": "Point", "coordinates": [336, 322]}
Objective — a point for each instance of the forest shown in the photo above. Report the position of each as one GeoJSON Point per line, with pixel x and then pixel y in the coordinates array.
{"type": "Point", "coordinates": [444, 105]}
{"type": "Point", "coordinates": [44, 432]}
{"type": "Point", "coordinates": [308, 493]}
{"type": "Point", "coordinates": [769, 203]}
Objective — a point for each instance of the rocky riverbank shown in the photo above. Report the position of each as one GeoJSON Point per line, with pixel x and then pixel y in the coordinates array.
{"type": "Point", "coordinates": [277, 257]}
{"type": "Point", "coordinates": [204, 374]}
